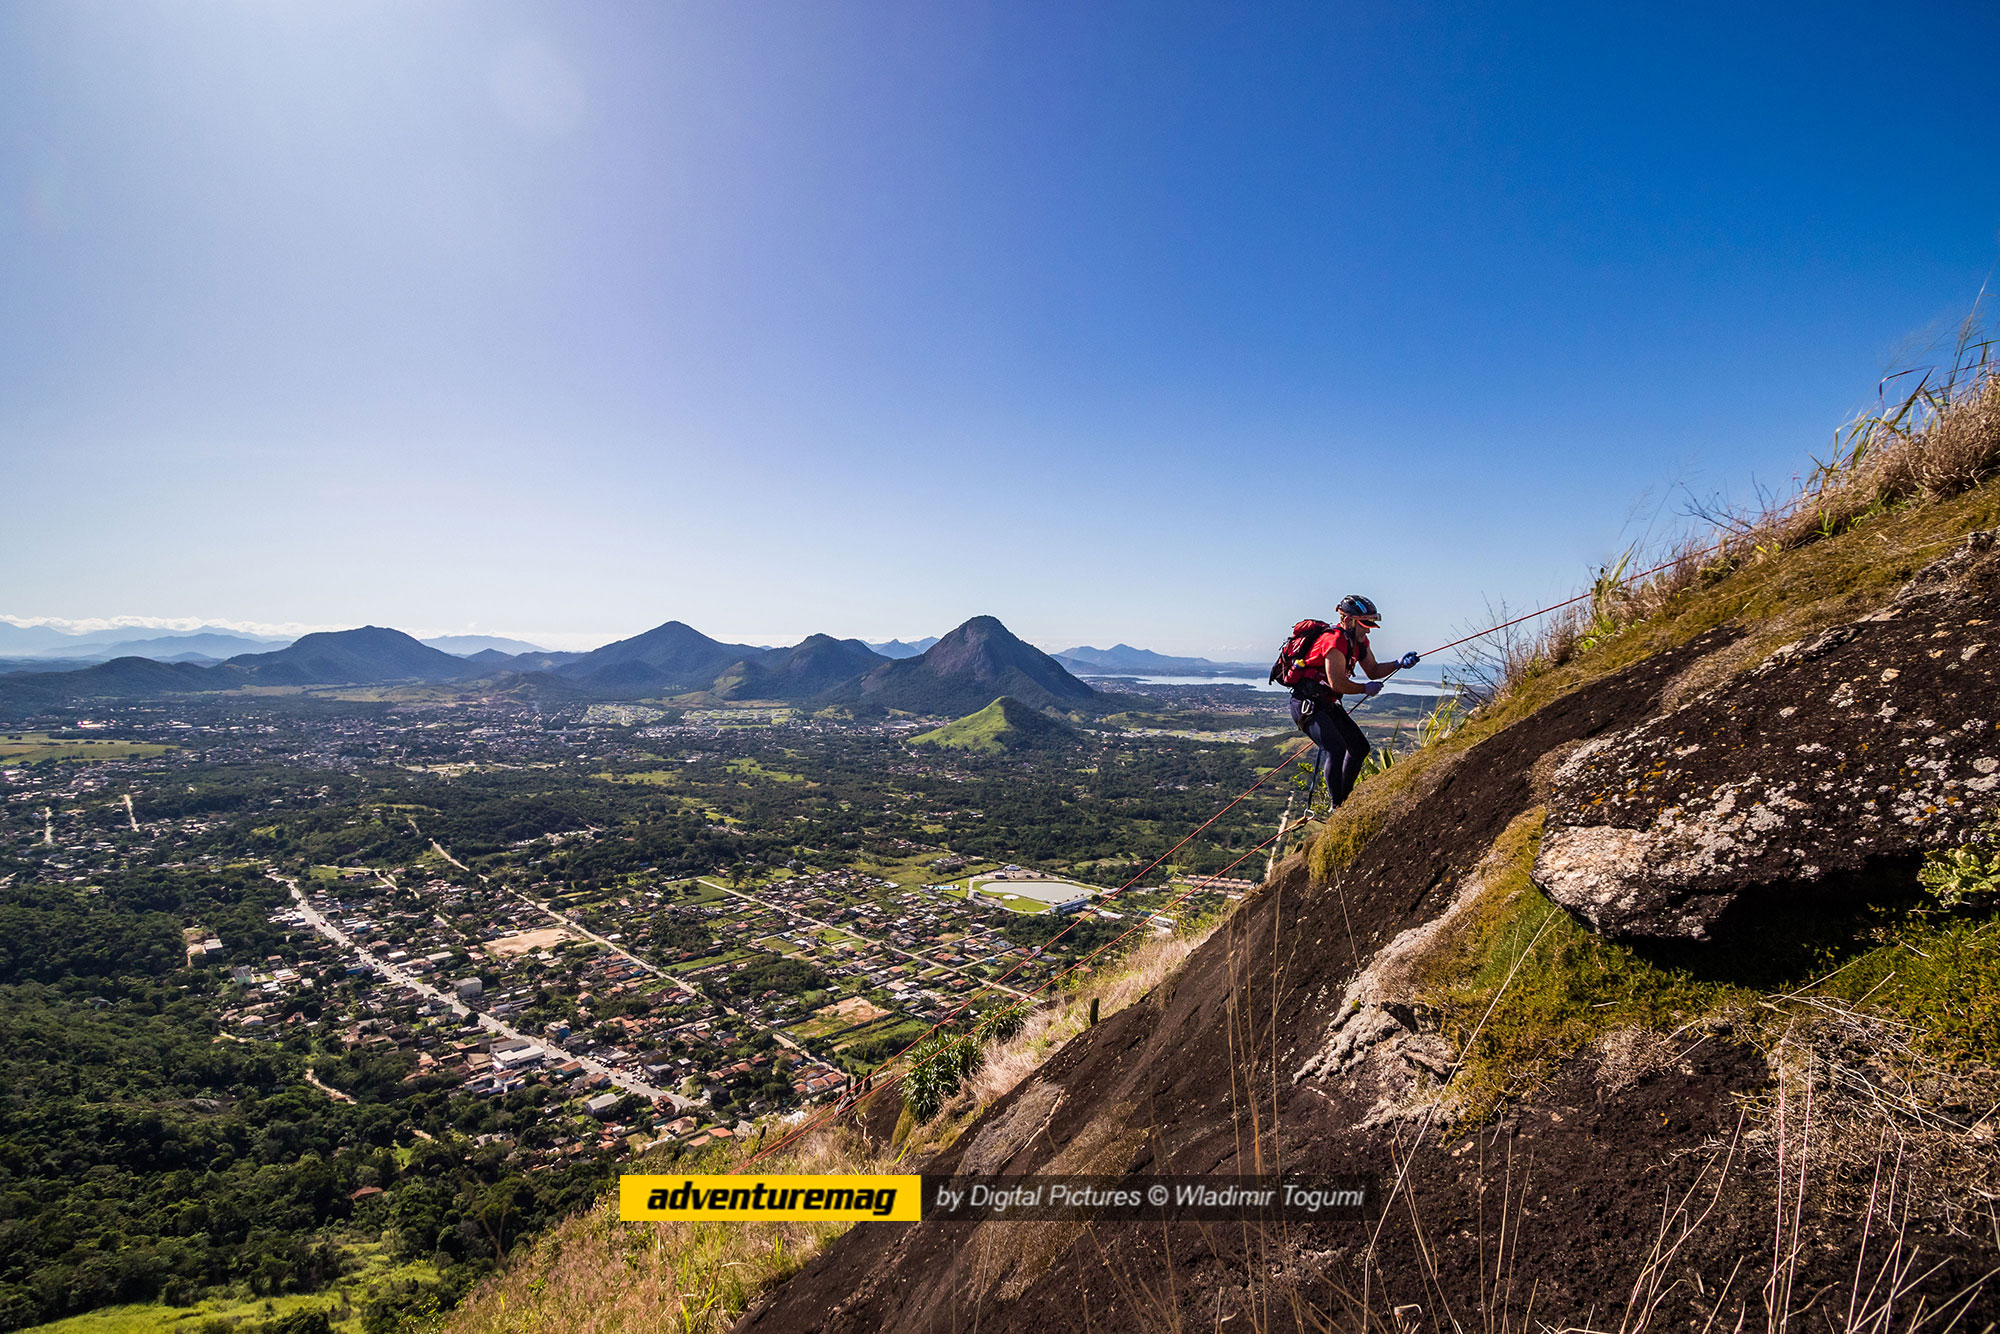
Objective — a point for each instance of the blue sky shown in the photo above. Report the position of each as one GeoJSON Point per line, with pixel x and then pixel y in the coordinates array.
{"type": "Point", "coordinates": [1165, 323]}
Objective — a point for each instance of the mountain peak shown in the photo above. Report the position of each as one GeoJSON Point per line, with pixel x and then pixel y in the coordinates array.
{"type": "Point", "coordinates": [968, 668]}
{"type": "Point", "coordinates": [368, 654]}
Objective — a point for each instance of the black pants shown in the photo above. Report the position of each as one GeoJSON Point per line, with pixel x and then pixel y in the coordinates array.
{"type": "Point", "coordinates": [1342, 748]}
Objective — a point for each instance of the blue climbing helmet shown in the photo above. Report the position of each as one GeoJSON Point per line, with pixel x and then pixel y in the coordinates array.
{"type": "Point", "coordinates": [1361, 609]}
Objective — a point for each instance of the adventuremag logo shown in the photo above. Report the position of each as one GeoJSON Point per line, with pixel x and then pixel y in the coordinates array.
{"type": "Point", "coordinates": [770, 1199]}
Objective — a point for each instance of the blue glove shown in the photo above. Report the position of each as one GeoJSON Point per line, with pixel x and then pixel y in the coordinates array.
{"type": "Point", "coordinates": [1407, 661]}
{"type": "Point", "coordinates": [1371, 688]}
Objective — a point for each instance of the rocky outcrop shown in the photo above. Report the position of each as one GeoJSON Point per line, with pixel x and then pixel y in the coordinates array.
{"type": "Point", "coordinates": [1874, 739]}
{"type": "Point", "coordinates": [1378, 1054]}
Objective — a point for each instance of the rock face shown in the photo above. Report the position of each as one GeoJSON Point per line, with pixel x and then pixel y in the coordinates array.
{"type": "Point", "coordinates": [1874, 739]}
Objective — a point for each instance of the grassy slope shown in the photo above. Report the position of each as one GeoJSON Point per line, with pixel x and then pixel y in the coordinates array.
{"type": "Point", "coordinates": [1529, 988]}
{"type": "Point", "coordinates": [1005, 724]}
{"type": "Point", "coordinates": [1778, 597]}
{"type": "Point", "coordinates": [31, 747]}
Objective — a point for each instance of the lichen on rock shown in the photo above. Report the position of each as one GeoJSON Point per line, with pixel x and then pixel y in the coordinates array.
{"type": "Point", "coordinates": [1876, 738]}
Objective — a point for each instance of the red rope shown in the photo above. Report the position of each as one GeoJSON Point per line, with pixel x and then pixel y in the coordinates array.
{"type": "Point", "coordinates": [1580, 597]}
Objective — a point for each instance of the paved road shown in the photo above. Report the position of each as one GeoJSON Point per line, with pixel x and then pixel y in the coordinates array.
{"type": "Point", "coordinates": [848, 930]}
{"type": "Point", "coordinates": [550, 1052]}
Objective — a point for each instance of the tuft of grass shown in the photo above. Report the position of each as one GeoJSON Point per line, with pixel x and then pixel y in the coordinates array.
{"type": "Point", "coordinates": [1940, 441]}
{"type": "Point", "coordinates": [938, 1068]}
{"type": "Point", "coordinates": [594, 1274]}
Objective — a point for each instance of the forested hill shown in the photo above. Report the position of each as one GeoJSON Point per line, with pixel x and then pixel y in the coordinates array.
{"type": "Point", "coordinates": [145, 1156]}
{"type": "Point", "coordinates": [956, 675]}
{"type": "Point", "coordinates": [967, 669]}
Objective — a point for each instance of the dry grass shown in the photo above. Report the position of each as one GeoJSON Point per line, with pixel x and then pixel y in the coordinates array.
{"type": "Point", "coordinates": [593, 1274]}
{"type": "Point", "coordinates": [1833, 1155]}
{"type": "Point", "coordinates": [1942, 440]}
{"type": "Point", "coordinates": [1009, 1062]}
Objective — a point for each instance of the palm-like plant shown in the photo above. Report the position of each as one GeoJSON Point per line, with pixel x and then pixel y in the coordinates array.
{"type": "Point", "coordinates": [939, 1067]}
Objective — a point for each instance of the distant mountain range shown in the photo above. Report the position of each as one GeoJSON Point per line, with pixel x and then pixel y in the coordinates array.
{"type": "Point", "coordinates": [209, 643]}
{"type": "Point", "coordinates": [467, 645]}
{"type": "Point", "coordinates": [958, 674]}
{"type": "Point", "coordinates": [897, 648]}
{"type": "Point", "coordinates": [1124, 659]}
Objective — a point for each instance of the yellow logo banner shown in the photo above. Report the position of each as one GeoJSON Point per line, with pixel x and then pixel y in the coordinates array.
{"type": "Point", "coordinates": [770, 1199]}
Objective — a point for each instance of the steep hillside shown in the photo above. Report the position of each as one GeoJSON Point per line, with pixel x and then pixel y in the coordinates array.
{"type": "Point", "coordinates": [1407, 1003]}
{"type": "Point", "coordinates": [1006, 726]}
{"type": "Point", "coordinates": [967, 669]}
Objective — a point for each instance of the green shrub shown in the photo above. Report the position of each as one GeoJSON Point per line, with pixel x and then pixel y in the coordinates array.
{"type": "Point", "coordinates": [1004, 1023]}
{"type": "Point", "coordinates": [939, 1067]}
{"type": "Point", "coordinates": [1960, 874]}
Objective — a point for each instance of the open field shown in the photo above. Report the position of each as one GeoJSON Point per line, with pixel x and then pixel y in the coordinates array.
{"type": "Point", "coordinates": [751, 768]}
{"type": "Point", "coordinates": [525, 942]}
{"type": "Point", "coordinates": [29, 747]}
{"type": "Point", "coordinates": [853, 1010]}
{"type": "Point", "coordinates": [341, 1300]}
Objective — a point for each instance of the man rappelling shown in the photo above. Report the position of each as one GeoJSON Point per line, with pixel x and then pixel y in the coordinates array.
{"type": "Point", "coordinates": [1318, 663]}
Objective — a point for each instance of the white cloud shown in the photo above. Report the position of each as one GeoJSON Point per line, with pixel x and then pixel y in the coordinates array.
{"type": "Point", "coordinates": [84, 625]}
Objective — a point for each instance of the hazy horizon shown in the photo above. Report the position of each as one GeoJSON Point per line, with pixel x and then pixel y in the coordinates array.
{"type": "Point", "coordinates": [144, 627]}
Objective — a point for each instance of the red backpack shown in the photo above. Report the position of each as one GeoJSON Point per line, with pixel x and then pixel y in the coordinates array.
{"type": "Point", "coordinates": [1302, 661]}
{"type": "Point", "coordinates": [1296, 664]}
